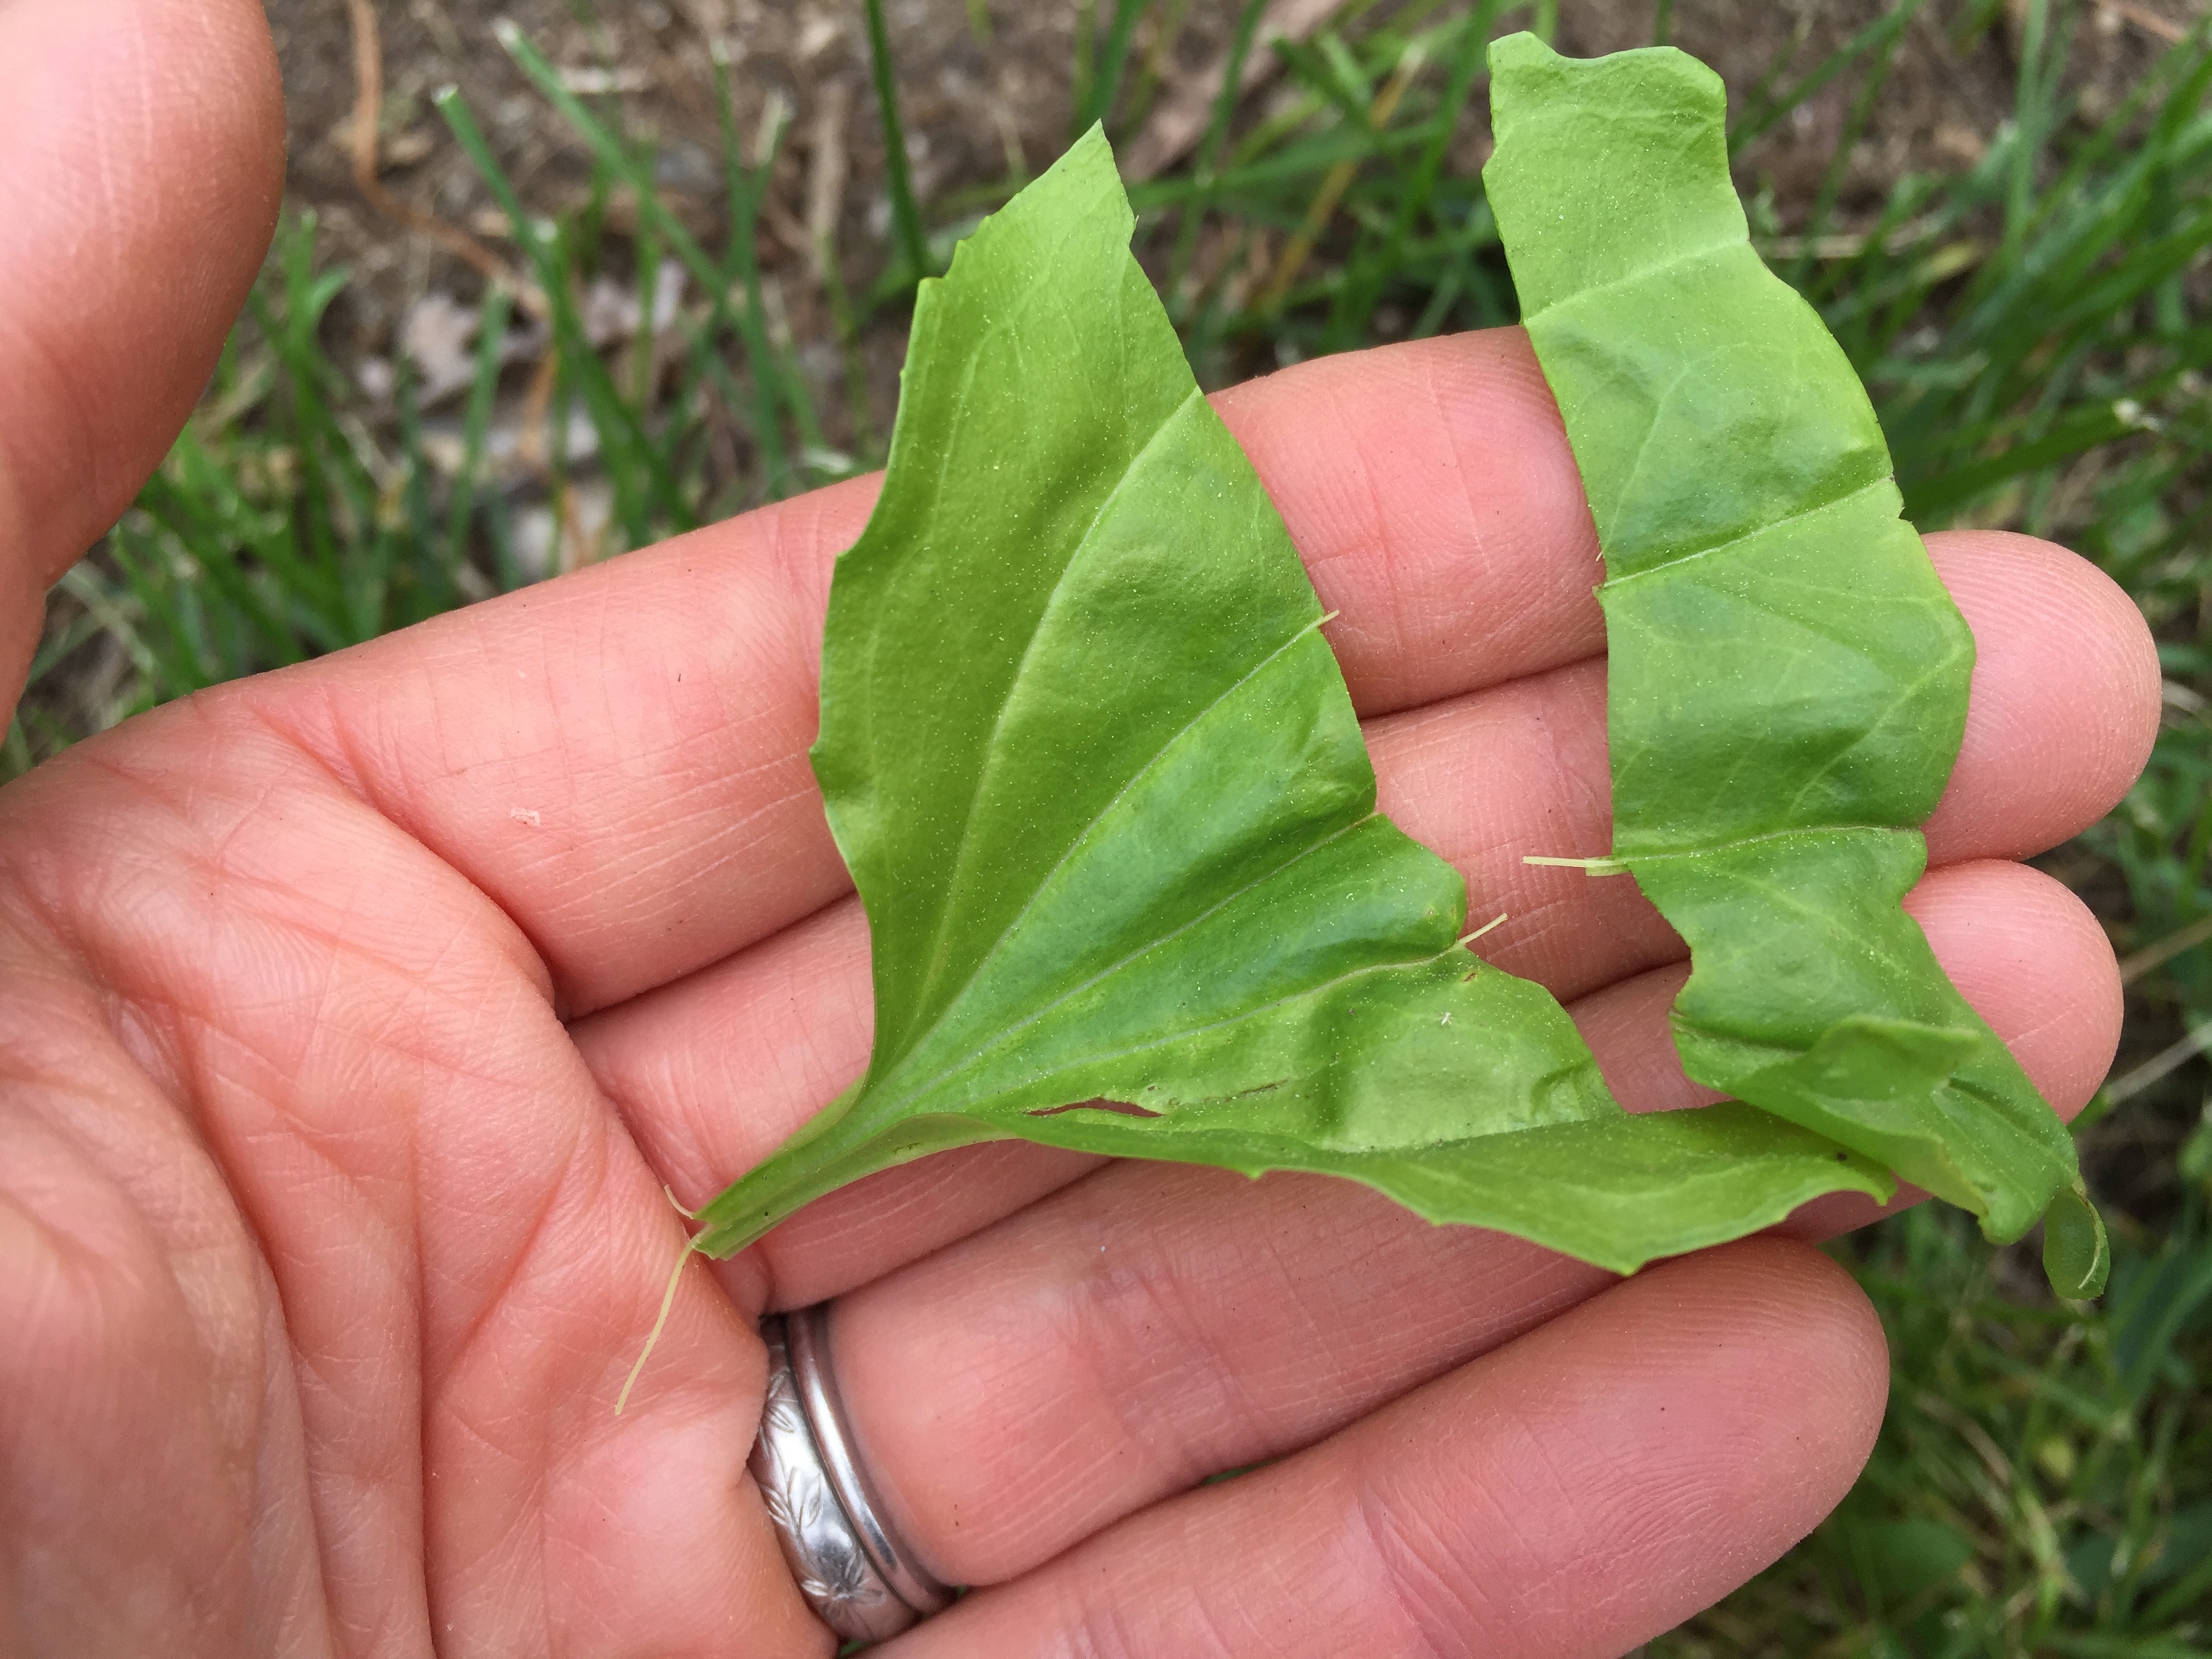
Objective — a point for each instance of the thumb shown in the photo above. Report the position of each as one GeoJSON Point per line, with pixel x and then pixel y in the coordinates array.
{"type": "Point", "coordinates": [145, 144]}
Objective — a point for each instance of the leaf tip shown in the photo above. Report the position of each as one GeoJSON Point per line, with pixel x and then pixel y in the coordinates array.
{"type": "Point", "coordinates": [2076, 1253]}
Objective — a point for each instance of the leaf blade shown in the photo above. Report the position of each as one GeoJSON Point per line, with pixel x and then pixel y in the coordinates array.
{"type": "Point", "coordinates": [1102, 791]}
{"type": "Point", "coordinates": [1787, 679]}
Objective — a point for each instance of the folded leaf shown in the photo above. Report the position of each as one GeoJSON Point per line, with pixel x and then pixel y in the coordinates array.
{"type": "Point", "coordinates": [1787, 680]}
{"type": "Point", "coordinates": [2076, 1255]}
{"type": "Point", "coordinates": [1100, 785]}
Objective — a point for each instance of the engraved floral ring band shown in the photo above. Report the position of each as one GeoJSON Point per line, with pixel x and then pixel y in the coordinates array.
{"type": "Point", "coordinates": [858, 1577]}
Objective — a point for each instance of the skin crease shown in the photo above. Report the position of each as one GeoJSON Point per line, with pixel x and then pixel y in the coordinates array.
{"type": "Point", "coordinates": [336, 1100]}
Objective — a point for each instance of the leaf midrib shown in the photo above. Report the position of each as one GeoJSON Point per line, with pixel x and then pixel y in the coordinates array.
{"type": "Point", "coordinates": [900, 1103]}
{"type": "Point", "coordinates": [942, 932]}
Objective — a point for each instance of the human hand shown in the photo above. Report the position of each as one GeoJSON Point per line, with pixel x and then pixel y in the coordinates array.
{"type": "Point", "coordinates": [352, 1018]}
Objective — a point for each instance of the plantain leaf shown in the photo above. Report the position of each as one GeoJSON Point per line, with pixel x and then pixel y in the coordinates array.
{"type": "Point", "coordinates": [1787, 679]}
{"type": "Point", "coordinates": [1104, 794]}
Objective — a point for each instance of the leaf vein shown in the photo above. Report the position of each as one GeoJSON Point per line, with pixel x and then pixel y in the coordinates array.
{"type": "Point", "coordinates": [942, 933]}
{"type": "Point", "coordinates": [1008, 1033]}
{"type": "Point", "coordinates": [1750, 535]}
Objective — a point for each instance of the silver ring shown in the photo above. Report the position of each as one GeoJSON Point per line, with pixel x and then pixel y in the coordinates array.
{"type": "Point", "coordinates": [856, 1574]}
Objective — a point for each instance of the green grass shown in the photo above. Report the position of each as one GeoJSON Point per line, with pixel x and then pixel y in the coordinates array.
{"type": "Point", "coordinates": [2042, 1484]}
{"type": "Point", "coordinates": [2033, 331]}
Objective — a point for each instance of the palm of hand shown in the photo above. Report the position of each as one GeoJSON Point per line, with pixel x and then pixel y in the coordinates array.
{"type": "Point", "coordinates": [354, 1019]}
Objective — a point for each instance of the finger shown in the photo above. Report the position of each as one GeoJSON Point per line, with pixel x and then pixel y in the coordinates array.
{"type": "Point", "coordinates": [1151, 1324]}
{"type": "Point", "coordinates": [1147, 1327]}
{"type": "Point", "coordinates": [2039, 763]}
{"type": "Point", "coordinates": [1432, 495]}
{"type": "Point", "coordinates": [1584, 1488]}
{"type": "Point", "coordinates": [619, 760]}
{"type": "Point", "coordinates": [619, 757]}
{"type": "Point", "coordinates": [145, 141]}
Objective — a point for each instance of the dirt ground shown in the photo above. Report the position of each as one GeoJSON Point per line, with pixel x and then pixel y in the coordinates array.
{"type": "Point", "coordinates": [986, 89]}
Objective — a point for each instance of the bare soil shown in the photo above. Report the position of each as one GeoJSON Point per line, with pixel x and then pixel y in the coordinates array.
{"type": "Point", "coordinates": [986, 86]}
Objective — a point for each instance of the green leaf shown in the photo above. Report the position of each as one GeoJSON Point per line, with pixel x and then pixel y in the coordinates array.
{"type": "Point", "coordinates": [1787, 682]}
{"type": "Point", "coordinates": [2076, 1254]}
{"type": "Point", "coordinates": [1101, 787]}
